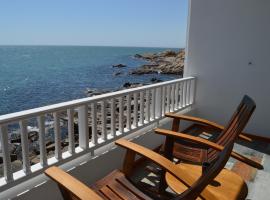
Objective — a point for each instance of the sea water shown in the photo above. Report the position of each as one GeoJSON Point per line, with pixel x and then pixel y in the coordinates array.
{"type": "Point", "coordinates": [34, 76]}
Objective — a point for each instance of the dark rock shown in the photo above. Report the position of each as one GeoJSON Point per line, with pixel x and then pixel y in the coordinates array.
{"type": "Point", "coordinates": [138, 56]}
{"type": "Point", "coordinates": [131, 85]}
{"type": "Point", "coordinates": [119, 65]}
{"type": "Point", "coordinates": [155, 80]}
{"type": "Point", "coordinates": [93, 92]}
{"type": "Point", "coordinates": [117, 73]}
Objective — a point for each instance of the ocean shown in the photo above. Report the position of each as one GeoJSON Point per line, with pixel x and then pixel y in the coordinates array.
{"type": "Point", "coordinates": [34, 76]}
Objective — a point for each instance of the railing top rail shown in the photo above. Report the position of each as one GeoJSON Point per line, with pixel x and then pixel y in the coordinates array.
{"type": "Point", "coordinates": [9, 118]}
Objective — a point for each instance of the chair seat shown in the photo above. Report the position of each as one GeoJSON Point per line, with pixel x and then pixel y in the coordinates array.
{"type": "Point", "coordinates": [116, 186]}
{"type": "Point", "coordinates": [226, 186]}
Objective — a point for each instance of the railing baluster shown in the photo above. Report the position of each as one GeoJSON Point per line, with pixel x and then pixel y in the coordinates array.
{"type": "Point", "coordinates": [158, 104]}
{"type": "Point", "coordinates": [113, 117]}
{"type": "Point", "coordinates": [193, 91]}
{"type": "Point", "coordinates": [135, 103]}
{"type": "Point", "coordinates": [176, 96]}
{"type": "Point", "coordinates": [71, 139]}
{"type": "Point", "coordinates": [168, 98]}
{"type": "Point", "coordinates": [147, 105]}
{"type": "Point", "coordinates": [189, 92]}
{"type": "Point", "coordinates": [141, 107]}
{"type": "Point", "coordinates": [5, 153]}
{"type": "Point", "coordinates": [163, 100]}
{"type": "Point", "coordinates": [41, 136]}
{"type": "Point", "coordinates": [121, 115]}
{"type": "Point", "coordinates": [57, 136]}
{"type": "Point", "coordinates": [25, 146]}
{"type": "Point", "coordinates": [184, 94]}
{"type": "Point", "coordinates": [94, 123]}
{"type": "Point", "coordinates": [83, 127]}
{"type": "Point", "coordinates": [153, 104]}
{"type": "Point", "coordinates": [172, 97]}
{"type": "Point", "coordinates": [128, 113]}
{"type": "Point", "coordinates": [104, 119]}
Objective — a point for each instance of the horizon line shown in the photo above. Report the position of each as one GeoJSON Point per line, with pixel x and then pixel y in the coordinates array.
{"type": "Point", "coordinates": [75, 45]}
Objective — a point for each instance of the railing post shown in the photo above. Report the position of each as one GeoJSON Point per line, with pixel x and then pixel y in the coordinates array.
{"type": "Point", "coordinates": [25, 147]}
{"type": "Point", "coordinates": [71, 139]}
{"type": "Point", "coordinates": [83, 127]}
{"type": "Point", "coordinates": [6, 154]}
{"type": "Point", "coordinates": [41, 135]}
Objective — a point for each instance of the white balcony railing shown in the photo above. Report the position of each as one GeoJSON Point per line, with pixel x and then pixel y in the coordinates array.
{"type": "Point", "coordinates": [101, 119]}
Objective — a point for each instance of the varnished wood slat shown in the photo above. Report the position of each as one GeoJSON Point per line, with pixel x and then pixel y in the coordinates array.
{"type": "Point", "coordinates": [119, 177]}
{"type": "Point", "coordinates": [132, 188]}
{"type": "Point", "coordinates": [71, 184]}
{"type": "Point", "coordinates": [121, 191]}
{"type": "Point", "coordinates": [109, 194]}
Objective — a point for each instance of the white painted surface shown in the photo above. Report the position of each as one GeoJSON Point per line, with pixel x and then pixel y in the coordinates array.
{"type": "Point", "coordinates": [224, 36]}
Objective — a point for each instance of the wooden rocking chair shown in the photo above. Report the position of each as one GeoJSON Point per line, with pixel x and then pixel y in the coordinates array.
{"type": "Point", "coordinates": [187, 150]}
{"type": "Point", "coordinates": [117, 186]}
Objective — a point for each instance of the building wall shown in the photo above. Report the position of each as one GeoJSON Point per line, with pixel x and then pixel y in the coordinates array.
{"type": "Point", "coordinates": [228, 50]}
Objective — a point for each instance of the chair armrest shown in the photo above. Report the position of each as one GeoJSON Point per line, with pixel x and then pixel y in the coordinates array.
{"type": "Point", "coordinates": [205, 122]}
{"type": "Point", "coordinates": [177, 172]}
{"type": "Point", "coordinates": [74, 186]}
{"type": "Point", "coordinates": [158, 159]}
{"type": "Point", "coordinates": [195, 119]}
{"type": "Point", "coordinates": [190, 138]}
{"type": "Point", "coordinates": [209, 144]}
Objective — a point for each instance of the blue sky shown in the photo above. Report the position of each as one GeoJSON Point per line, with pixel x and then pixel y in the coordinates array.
{"type": "Point", "coordinates": [152, 23]}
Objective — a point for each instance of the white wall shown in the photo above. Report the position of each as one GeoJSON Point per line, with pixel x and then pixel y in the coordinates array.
{"type": "Point", "coordinates": [223, 37]}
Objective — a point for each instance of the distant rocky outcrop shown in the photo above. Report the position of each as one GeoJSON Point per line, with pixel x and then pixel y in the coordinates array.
{"type": "Point", "coordinates": [167, 62]}
{"type": "Point", "coordinates": [128, 85]}
{"type": "Point", "coordinates": [94, 91]}
{"type": "Point", "coordinates": [117, 73]}
{"type": "Point", "coordinates": [119, 65]}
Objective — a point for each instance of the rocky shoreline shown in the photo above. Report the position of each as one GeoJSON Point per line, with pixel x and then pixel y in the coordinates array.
{"type": "Point", "coordinates": [167, 62]}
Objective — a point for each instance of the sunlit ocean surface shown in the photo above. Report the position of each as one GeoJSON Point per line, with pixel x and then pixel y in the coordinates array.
{"type": "Point", "coordinates": [34, 76]}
